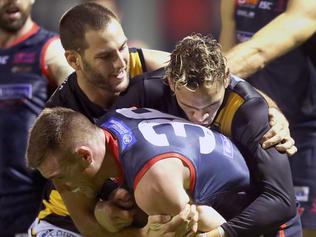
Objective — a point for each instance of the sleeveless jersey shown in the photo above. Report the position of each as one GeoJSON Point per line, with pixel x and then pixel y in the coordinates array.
{"type": "Point", "coordinates": [23, 93]}
{"type": "Point", "coordinates": [146, 136]}
{"type": "Point", "coordinates": [70, 95]}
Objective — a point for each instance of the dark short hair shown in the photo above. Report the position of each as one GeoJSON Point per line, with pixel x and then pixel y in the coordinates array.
{"type": "Point", "coordinates": [196, 61]}
{"type": "Point", "coordinates": [57, 130]}
{"type": "Point", "coordinates": [77, 20]}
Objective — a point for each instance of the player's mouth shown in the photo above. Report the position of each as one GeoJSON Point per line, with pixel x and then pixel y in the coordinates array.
{"type": "Point", "coordinates": [120, 75]}
{"type": "Point", "coordinates": [13, 13]}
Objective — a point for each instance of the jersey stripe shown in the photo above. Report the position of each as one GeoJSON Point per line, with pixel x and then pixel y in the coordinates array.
{"type": "Point", "coordinates": [135, 64]}
{"type": "Point", "coordinates": [226, 115]}
{"type": "Point", "coordinates": [35, 28]}
{"type": "Point", "coordinates": [149, 164]}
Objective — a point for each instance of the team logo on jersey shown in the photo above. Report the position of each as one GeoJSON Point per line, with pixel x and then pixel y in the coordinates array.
{"type": "Point", "coordinates": [15, 91]}
{"type": "Point", "coordinates": [28, 58]}
{"type": "Point", "coordinates": [245, 13]}
{"type": "Point", "coordinates": [248, 3]}
{"type": "Point", "coordinates": [122, 131]}
{"type": "Point", "coordinates": [265, 5]}
{"type": "Point", "coordinates": [21, 69]}
{"type": "Point", "coordinates": [4, 59]}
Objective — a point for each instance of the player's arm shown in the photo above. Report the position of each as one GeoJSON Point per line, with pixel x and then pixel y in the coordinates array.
{"type": "Point", "coordinates": [81, 209]}
{"type": "Point", "coordinates": [279, 132]}
{"type": "Point", "coordinates": [155, 59]}
{"type": "Point", "coordinates": [161, 191]}
{"type": "Point", "coordinates": [227, 36]}
{"type": "Point", "coordinates": [269, 170]}
{"type": "Point", "coordinates": [285, 32]}
{"type": "Point", "coordinates": [57, 66]}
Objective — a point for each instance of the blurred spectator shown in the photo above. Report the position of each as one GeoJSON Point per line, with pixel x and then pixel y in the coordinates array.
{"type": "Point", "coordinates": [180, 18]}
{"type": "Point", "coordinates": [31, 61]}
{"type": "Point", "coordinates": [47, 13]}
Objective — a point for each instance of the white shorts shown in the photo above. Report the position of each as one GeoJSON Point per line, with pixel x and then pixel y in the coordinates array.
{"type": "Point", "coordinates": [41, 228]}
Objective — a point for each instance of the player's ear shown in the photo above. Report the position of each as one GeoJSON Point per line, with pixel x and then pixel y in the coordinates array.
{"type": "Point", "coordinates": [85, 155]}
{"type": "Point", "coordinates": [171, 84]}
{"type": "Point", "coordinates": [73, 59]}
{"type": "Point", "coordinates": [227, 77]}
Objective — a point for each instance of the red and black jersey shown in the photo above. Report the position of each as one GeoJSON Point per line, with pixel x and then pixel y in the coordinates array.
{"type": "Point", "coordinates": [24, 89]}
{"type": "Point", "coordinates": [146, 136]}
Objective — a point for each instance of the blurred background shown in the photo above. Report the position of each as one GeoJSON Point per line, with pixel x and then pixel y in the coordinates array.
{"type": "Point", "coordinates": [156, 24]}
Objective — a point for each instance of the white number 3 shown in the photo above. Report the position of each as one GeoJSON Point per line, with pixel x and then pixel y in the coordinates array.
{"type": "Point", "coordinates": [154, 118]}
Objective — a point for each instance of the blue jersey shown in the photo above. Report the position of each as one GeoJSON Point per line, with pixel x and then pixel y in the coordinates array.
{"type": "Point", "coordinates": [23, 93]}
{"type": "Point", "coordinates": [146, 136]}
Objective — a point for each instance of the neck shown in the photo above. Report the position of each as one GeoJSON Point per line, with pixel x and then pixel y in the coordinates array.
{"type": "Point", "coordinates": [7, 38]}
{"type": "Point", "coordinates": [95, 94]}
{"type": "Point", "coordinates": [108, 168]}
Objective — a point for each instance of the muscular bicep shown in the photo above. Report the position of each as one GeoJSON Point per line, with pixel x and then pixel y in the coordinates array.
{"type": "Point", "coordinates": [161, 189]}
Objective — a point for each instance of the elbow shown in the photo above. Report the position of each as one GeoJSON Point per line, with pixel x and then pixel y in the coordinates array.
{"type": "Point", "coordinates": [177, 206]}
{"type": "Point", "coordinates": [292, 209]}
{"type": "Point", "coordinates": [288, 209]}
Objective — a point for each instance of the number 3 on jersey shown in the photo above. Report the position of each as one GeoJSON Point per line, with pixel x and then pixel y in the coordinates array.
{"type": "Point", "coordinates": [153, 118]}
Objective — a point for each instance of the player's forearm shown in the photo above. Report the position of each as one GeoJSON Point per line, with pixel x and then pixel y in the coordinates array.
{"type": "Point", "coordinates": [155, 59]}
{"type": "Point", "coordinates": [276, 195]}
{"type": "Point", "coordinates": [270, 174]}
{"type": "Point", "coordinates": [269, 43]}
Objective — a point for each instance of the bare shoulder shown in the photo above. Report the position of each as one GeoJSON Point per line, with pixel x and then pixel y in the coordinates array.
{"type": "Point", "coordinates": [58, 67]}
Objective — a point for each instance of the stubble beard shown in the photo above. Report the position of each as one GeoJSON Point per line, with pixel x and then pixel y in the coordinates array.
{"type": "Point", "coordinates": [14, 26]}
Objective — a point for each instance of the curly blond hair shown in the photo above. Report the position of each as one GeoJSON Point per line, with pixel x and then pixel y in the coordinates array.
{"type": "Point", "coordinates": [197, 60]}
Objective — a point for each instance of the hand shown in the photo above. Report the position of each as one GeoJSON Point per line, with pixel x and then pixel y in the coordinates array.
{"type": "Point", "coordinates": [279, 134]}
{"type": "Point", "coordinates": [116, 213]}
{"type": "Point", "coordinates": [112, 217]}
{"type": "Point", "coordinates": [122, 198]}
{"type": "Point", "coordinates": [182, 225]}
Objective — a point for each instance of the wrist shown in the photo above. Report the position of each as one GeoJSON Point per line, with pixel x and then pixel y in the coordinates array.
{"type": "Point", "coordinates": [221, 232]}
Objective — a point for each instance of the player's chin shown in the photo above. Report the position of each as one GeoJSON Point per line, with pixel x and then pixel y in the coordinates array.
{"type": "Point", "coordinates": [121, 87]}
